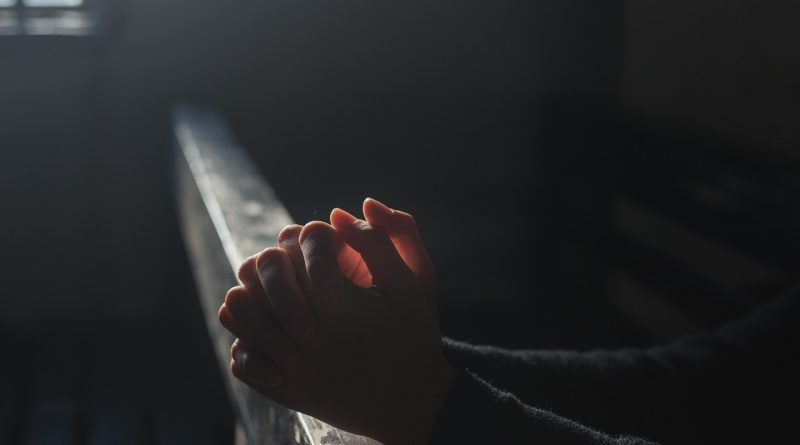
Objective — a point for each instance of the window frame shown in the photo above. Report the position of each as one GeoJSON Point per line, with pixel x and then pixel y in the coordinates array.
{"type": "Point", "coordinates": [89, 17]}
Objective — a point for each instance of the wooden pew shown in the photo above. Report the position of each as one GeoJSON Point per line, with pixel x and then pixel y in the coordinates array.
{"type": "Point", "coordinates": [228, 212]}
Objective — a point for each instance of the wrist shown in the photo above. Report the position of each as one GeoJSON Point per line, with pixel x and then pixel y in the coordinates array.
{"type": "Point", "coordinates": [414, 424]}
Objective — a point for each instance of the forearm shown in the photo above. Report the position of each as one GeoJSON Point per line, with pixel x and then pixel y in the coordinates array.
{"type": "Point", "coordinates": [704, 386]}
{"type": "Point", "coordinates": [477, 412]}
{"type": "Point", "coordinates": [626, 391]}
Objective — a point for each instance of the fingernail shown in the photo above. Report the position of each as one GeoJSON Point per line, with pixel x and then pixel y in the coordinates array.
{"type": "Point", "coordinates": [343, 216]}
{"type": "Point", "coordinates": [381, 206]}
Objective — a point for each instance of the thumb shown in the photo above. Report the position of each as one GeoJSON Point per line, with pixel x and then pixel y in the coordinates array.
{"type": "Point", "coordinates": [402, 230]}
{"type": "Point", "coordinates": [376, 249]}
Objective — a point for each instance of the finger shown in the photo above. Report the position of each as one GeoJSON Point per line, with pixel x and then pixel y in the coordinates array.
{"type": "Point", "coordinates": [319, 243]}
{"type": "Point", "coordinates": [353, 266]}
{"type": "Point", "coordinates": [252, 367]}
{"type": "Point", "coordinates": [380, 255]}
{"type": "Point", "coordinates": [289, 240]}
{"type": "Point", "coordinates": [251, 324]}
{"type": "Point", "coordinates": [292, 310]}
{"type": "Point", "coordinates": [227, 320]}
{"type": "Point", "coordinates": [402, 230]}
{"type": "Point", "coordinates": [260, 373]}
{"type": "Point", "coordinates": [248, 275]}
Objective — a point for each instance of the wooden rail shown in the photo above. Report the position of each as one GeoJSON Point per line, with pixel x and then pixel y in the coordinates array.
{"type": "Point", "coordinates": [227, 212]}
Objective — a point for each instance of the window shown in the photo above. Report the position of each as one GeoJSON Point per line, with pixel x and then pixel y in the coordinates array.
{"type": "Point", "coordinates": [52, 3]}
{"type": "Point", "coordinates": [50, 17]}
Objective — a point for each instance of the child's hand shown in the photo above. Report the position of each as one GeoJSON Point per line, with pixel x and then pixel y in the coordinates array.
{"type": "Point", "coordinates": [366, 359]}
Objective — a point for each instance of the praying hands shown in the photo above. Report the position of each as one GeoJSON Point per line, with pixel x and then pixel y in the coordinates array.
{"type": "Point", "coordinates": [340, 322]}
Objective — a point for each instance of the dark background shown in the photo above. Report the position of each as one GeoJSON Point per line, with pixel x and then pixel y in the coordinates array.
{"type": "Point", "coordinates": [586, 174]}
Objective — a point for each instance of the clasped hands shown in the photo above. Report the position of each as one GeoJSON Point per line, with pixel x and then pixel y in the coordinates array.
{"type": "Point", "coordinates": [340, 322]}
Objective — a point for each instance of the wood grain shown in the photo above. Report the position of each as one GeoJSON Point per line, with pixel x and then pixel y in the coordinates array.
{"type": "Point", "coordinates": [228, 212]}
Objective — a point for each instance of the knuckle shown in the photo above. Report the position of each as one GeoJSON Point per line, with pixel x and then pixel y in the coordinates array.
{"type": "Point", "coordinates": [406, 219]}
{"type": "Point", "coordinates": [316, 230]}
{"type": "Point", "coordinates": [247, 269]}
{"type": "Point", "coordinates": [234, 297]}
{"type": "Point", "coordinates": [289, 233]}
{"type": "Point", "coordinates": [269, 258]}
{"type": "Point", "coordinates": [364, 227]}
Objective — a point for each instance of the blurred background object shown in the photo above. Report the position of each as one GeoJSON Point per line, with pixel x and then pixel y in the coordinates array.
{"type": "Point", "coordinates": [586, 174]}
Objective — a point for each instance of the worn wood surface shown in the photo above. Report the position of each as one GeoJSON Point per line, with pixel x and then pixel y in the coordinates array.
{"type": "Point", "coordinates": [229, 212]}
